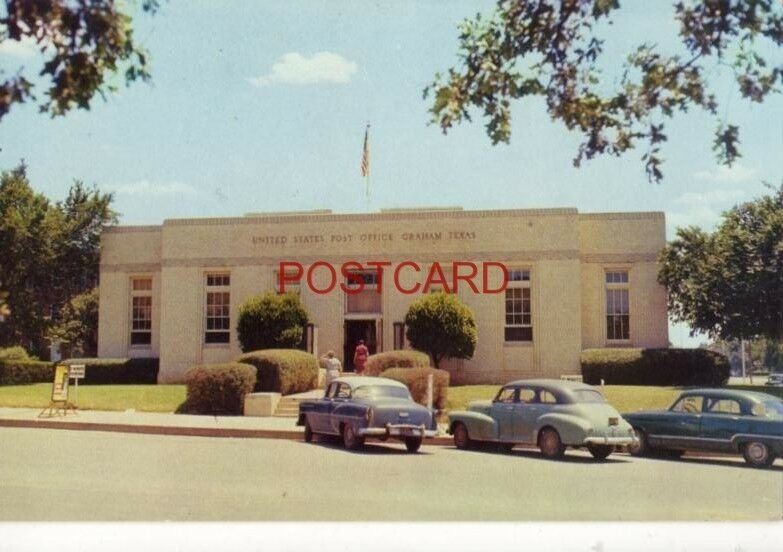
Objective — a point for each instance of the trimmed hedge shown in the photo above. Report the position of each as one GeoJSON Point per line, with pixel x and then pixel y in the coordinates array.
{"type": "Point", "coordinates": [408, 358]}
{"type": "Point", "coordinates": [16, 352]}
{"type": "Point", "coordinates": [112, 371]}
{"type": "Point", "coordinates": [283, 371]}
{"type": "Point", "coordinates": [19, 372]}
{"type": "Point", "coordinates": [218, 388]}
{"type": "Point", "coordinates": [416, 380]}
{"type": "Point", "coordinates": [666, 367]}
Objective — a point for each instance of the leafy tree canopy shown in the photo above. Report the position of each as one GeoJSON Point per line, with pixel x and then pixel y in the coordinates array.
{"type": "Point", "coordinates": [272, 321]}
{"type": "Point", "coordinates": [82, 42]}
{"type": "Point", "coordinates": [442, 326]}
{"type": "Point", "coordinates": [77, 326]}
{"type": "Point", "coordinates": [49, 252]}
{"type": "Point", "coordinates": [729, 283]}
{"type": "Point", "coordinates": [552, 49]}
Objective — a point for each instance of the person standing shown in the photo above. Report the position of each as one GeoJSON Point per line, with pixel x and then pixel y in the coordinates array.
{"type": "Point", "coordinates": [333, 367]}
{"type": "Point", "coordinates": [360, 357]}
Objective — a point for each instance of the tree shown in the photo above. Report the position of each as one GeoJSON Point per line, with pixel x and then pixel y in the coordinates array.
{"type": "Point", "coordinates": [49, 252]}
{"type": "Point", "coordinates": [442, 326]}
{"type": "Point", "coordinates": [82, 42]}
{"type": "Point", "coordinates": [552, 49]}
{"type": "Point", "coordinates": [729, 283]}
{"type": "Point", "coordinates": [272, 321]}
{"type": "Point", "coordinates": [77, 326]}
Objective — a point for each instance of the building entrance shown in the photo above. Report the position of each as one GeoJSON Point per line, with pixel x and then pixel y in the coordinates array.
{"type": "Point", "coordinates": [367, 330]}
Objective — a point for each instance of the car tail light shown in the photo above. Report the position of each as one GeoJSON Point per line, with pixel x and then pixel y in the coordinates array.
{"type": "Point", "coordinates": [614, 421]}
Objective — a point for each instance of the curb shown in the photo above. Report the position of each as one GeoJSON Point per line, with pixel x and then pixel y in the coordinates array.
{"type": "Point", "coordinates": [293, 435]}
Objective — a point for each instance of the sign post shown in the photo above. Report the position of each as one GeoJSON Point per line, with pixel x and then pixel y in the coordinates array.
{"type": "Point", "coordinates": [76, 372]}
{"type": "Point", "coordinates": [59, 403]}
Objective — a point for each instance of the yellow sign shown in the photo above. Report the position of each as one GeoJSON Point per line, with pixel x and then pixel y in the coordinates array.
{"type": "Point", "coordinates": [60, 387]}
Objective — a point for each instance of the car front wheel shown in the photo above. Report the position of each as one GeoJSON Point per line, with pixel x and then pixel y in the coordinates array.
{"type": "Point", "coordinates": [351, 439]}
{"type": "Point", "coordinates": [600, 452]}
{"type": "Point", "coordinates": [757, 454]}
{"type": "Point", "coordinates": [308, 432]}
{"type": "Point", "coordinates": [461, 437]}
{"type": "Point", "coordinates": [550, 444]}
{"type": "Point", "coordinates": [413, 444]}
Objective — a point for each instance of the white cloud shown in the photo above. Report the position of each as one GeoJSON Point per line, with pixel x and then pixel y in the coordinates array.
{"type": "Point", "coordinates": [711, 197]}
{"type": "Point", "coordinates": [25, 48]}
{"type": "Point", "coordinates": [295, 68]}
{"type": "Point", "coordinates": [702, 209]}
{"type": "Point", "coordinates": [736, 173]}
{"type": "Point", "coordinates": [145, 188]}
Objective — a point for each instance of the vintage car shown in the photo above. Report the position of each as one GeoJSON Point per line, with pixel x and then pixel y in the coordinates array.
{"type": "Point", "coordinates": [718, 420]}
{"type": "Point", "coordinates": [775, 379]}
{"type": "Point", "coordinates": [552, 414]}
{"type": "Point", "coordinates": [359, 407]}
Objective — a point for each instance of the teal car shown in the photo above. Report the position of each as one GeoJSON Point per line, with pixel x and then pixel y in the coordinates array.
{"type": "Point", "coordinates": [716, 420]}
{"type": "Point", "coordinates": [551, 414]}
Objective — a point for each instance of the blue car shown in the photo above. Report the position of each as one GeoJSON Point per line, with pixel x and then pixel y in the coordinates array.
{"type": "Point", "coordinates": [359, 407]}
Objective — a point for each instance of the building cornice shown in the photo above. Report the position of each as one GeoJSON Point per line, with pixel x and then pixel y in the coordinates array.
{"type": "Point", "coordinates": [131, 229]}
{"type": "Point", "coordinates": [619, 258]}
{"type": "Point", "coordinates": [641, 215]}
{"type": "Point", "coordinates": [131, 268]}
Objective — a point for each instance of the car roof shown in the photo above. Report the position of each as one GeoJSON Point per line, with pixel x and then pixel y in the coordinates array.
{"type": "Point", "coordinates": [356, 381]}
{"type": "Point", "coordinates": [560, 385]}
{"type": "Point", "coordinates": [730, 393]}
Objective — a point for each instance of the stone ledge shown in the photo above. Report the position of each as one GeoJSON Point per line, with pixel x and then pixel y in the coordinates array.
{"type": "Point", "coordinates": [261, 404]}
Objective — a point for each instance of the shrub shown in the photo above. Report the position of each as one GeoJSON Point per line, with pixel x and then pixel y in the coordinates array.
{"type": "Point", "coordinates": [670, 367]}
{"type": "Point", "coordinates": [442, 326]}
{"type": "Point", "coordinates": [416, 380]}
{"type": "Point", "coordinates": [271, 321]}
{"type": "Point", "coordinates": [379, 362]}
{"type": "Point", "coordinates": [17, 372]}
{"type": "Point", "coordinates": [110, 371]}
{"type": "Point", "coordinates": [14, 353]}
{"type": "Point", "coordinates": [284, 371]}
{"type": "Point", "coordinates": [218, 388]}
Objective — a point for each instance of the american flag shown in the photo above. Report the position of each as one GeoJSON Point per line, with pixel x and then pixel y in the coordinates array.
{"type": "Point", "coordinates": [366, 153]}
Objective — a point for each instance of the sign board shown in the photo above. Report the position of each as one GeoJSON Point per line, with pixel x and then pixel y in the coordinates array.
{"type": "Point", "coordinates": [60, 386]}
{"type": "Point", "coordinates": [76, 371]}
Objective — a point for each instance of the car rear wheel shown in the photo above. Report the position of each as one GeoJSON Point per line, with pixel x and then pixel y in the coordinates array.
{"type": "Point", "coordinates": [461, 437]}
{"type": "Point", "coordinates": [550, 444]}
{"type": "Point", "coordinates": [757, 454]}
{"type": "Point", "coordinates": [600, 452]}
{"type": "Point", "coordinates": [413, 444]}
{"type": "Point", "coordinates": [351, 440]}
{"type": "Point", "coordinates": [640, 447]}
{"type": "Point", "coordinates": [308, 432]}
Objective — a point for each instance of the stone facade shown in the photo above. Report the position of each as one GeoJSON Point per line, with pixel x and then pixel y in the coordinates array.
{"type": "Point", "coordinates": [567, 257]}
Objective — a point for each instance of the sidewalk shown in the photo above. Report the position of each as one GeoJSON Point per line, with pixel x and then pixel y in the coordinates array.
{"type": "Point", "coordinates": [154, 423]}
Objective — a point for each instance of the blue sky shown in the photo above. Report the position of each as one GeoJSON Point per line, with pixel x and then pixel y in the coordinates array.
{"type": "Point", "coordinates": [262, 107]}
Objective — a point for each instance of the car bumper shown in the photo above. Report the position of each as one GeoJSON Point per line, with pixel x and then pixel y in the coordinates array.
{"type": "Point", "coordinates": [398, 430]}
{"type": "Point", "coordinates": [616, 441]}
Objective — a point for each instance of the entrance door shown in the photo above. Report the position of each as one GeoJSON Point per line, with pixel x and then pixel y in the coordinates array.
{"type": "Point", "coordinates": [354, 331]}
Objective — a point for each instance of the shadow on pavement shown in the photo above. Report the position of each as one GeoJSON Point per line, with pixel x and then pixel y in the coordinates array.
{"type": "Point", "coordinates": [726, 461]}
{"type": "Point", "coordinates": [533, 454]}
{"type": "Point", "coordinates": [390, 447]}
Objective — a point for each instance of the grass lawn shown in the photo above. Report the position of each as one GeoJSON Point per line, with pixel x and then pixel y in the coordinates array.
{"type": "Point", "coordinates": [145, 398]}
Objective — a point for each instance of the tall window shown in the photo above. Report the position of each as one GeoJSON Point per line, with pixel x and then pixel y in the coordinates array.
{"type": "Point", "coordinates": [617, 309]}
{"type": "Point", "coordinates": [141, 312]}
{"type": "Point", "coordinates": [218, 311]}
{"type": "Point", "coordinates": [399, 335]}
{"type": "Point", "coordinates": [367, 300]}
{"type": "Point", "coordinates": [519, 322]}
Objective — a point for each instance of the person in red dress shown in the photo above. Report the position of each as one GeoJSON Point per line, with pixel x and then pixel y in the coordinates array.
{"type": "Point", "coordinates": [360, 357]}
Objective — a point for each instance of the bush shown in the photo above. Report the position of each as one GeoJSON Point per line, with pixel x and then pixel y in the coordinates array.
{"type": "Point", "coordinates": [442, 326]}
{"type": "Point", "coordinates": [218, 388]}
{"type": "Point", "coordinates": [17, 372]}
{"type": "Point", "coordinates": [14, 353]}
{"type": "Point", "coordinates": [416, 380]}
{"type": "Point", "coordinates": [111, 371]}
{"type": "Point", "coordinates": [284, 371]}
{"type": "Point", "coordinates": [271, 321]}
{"type": "Point", "coordinates": [668, 367]}
{"type": "Point", "coordinates": [379, 362]}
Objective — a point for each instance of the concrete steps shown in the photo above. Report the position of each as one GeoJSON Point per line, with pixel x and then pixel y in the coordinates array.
{"type": "Point", "coordinates": [288, 407]}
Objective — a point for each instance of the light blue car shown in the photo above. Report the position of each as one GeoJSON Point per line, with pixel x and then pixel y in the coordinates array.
{"type": "Point", "coordinates": [552, 414]}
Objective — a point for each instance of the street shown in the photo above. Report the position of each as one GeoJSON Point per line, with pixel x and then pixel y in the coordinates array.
{"type": "Point", "coordinates": [84, 475]}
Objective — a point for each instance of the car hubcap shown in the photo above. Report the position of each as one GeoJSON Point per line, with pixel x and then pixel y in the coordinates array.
{"type": "Point", "coordinates": [549, 442]}
{"type": "Point", "coordinates": [757, 452]}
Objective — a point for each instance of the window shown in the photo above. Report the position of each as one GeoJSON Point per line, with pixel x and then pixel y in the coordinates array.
{"type": "Point", "coordinates": [332, 391]}
{"type": "Point", "coordinates": [141, 312]}
{"type": "Point", "coordinates": [506, 395]}
{"type": "Point", "coordinates": [724, 406]}
{"type": "Point", "coordinates": [527, 395]}
{"type": "Point", "coordinates": [617, 306]}
{"type": "Point", "coordinates": [344, 392]}
{"type": "Point", "coordinates": [519, 322]}
{"type": "Point", "coordinates": [366, 300]}
{"type": "Point", "coordinates": [547, 397]}
{"type": "Point", "coordinates": [218, 311]}
{"type": "Point", "coordinates": [691, 404]}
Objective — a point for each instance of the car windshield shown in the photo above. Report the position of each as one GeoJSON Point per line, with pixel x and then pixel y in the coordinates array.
{"type": "Point", "coordinates": [588, 396]}
{"type": "Point", "coordinates": [772, 409]}
{"type": "Point", "coordinates": [381, 391]}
